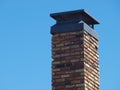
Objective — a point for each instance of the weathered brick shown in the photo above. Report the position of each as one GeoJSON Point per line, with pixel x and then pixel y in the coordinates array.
{"type": "Point", "coordinates": [60, 45]}
{"type": "Point", "coordinates": [64, 76]}
{"type": "Point", "coordinates": [79, 85]}
{"type": "Point", "coordinates": [56, 62]}
{"type": "Point", "coordinates": [65, 48]}
{"type": "Point", "coordinates": [79, 70]}
{"type": "Point", "coordinates": [72, 33]}
{"type": "Point", "coordinates": [63, 34]}
{"type": "Point", "coordinates": [68, 43]}
{"type": "Point", "coordinates": [54, 70]}
{"type": "Point", "coordinates": [74, 60]}
{"type": "Point", "coordinates": [60, 80]}
{"type": "Point", "coordinates": [69, 86]}
{"type": "Point", "coordinates": [75, 46]}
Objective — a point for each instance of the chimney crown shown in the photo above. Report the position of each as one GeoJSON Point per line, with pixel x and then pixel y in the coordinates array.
{"type": "Point", "coordinates": [76, 15]}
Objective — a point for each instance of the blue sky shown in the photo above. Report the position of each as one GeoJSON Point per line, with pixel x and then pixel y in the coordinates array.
{"type": "Point", "coordinates": [25, 41]}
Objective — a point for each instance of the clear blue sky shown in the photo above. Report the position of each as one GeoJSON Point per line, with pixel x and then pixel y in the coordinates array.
{"type": "Point", "coordinates": [25, 41]}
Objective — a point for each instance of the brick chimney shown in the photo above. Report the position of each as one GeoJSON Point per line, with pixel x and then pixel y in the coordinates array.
{"type": "Point", "coordinates": [75, 64]}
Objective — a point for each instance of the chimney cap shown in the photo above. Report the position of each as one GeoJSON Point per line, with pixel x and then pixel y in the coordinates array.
{"type": "Point", "coordinates": [74, 15]}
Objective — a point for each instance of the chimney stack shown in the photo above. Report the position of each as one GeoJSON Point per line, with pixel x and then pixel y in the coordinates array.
{"type": "Point", "coordinates": [75, 64]}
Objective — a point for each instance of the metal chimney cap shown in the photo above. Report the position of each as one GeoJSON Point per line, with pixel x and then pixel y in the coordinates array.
{"type": "Point", "coordinates": [74, 15]}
